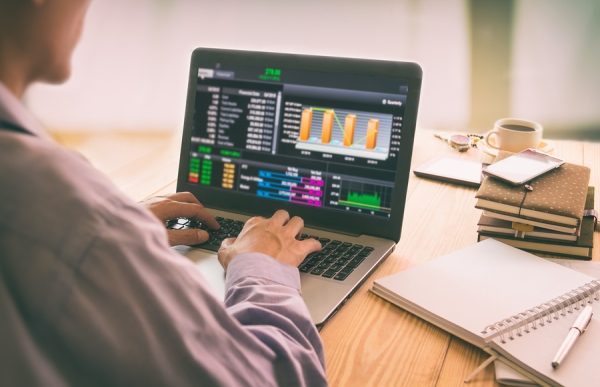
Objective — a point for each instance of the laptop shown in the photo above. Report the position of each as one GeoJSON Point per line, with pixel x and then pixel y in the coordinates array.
{"type": "Point", "coordinates": [327, 139]}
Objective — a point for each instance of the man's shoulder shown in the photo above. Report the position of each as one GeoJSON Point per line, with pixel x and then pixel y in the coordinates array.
{"type": "Point", "coordinates": [36, 168]}
{"type": "Point", "coordinates": [47, 189]}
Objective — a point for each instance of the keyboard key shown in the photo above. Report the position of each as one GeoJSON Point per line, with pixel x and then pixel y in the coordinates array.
{"type": "Point", "coordinates": [335, 267]}
{"type": "Point", "coordinates": [348, 256]}
{"type": "Point", "coordinates": [359, 246]}
{"type": "Point", "coordinates": [336, 242]}
{"type": "Point", "coordinates": [336, 254]}
{"type": "Point", "coordinates": [347, 244]}
{"type": "Point", "coordinates": [182, 221]}
{"type": "Point", "coordinates": [347, 270]}
{"type": "Point", "coordinates": [177, 227]}
{"type": "Point", "coordinates": [329, 274]}
{"type": "Point", "coordinates": [329, 259]}
{"type": "Point", "coordinates": [326, 240]}
{"type": "Point", "coordinates": [341, 276]}
{"type": "Point", "coordinates": [306, 268]}
{"type": "Point", "coordinates": [317, 271]}
{"type": "Point", "coordinates": [355, 262]}
{"type": "Point", "coordinates": [364, 253]}
{"type": "Point", "coordinates": [368, 248]}
{"type": "Point", "coordinates": [343, 248]}
{"type": "Point", "coordinates": [218, 218]}
{"type": "Point", "coordinates": [342, 262]}
{"type": "Point", "coordinates": [323, 265]}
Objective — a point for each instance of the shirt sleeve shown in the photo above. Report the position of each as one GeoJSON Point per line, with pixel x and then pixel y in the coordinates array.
{"type": "Point", "coordinates": [263, 294]}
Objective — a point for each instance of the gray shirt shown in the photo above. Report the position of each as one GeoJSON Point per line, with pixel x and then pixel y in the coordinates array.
{"type": "Point", "coordinates": [92, 294]}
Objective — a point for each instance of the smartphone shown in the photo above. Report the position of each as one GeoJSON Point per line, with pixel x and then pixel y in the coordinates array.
{"type": "Point", "coordinates": [452, 170]}
{"type": "Point", "coordinates": [523, 166]}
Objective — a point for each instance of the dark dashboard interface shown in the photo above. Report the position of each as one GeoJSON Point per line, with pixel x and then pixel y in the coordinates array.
{"type": "Point", "coordinates": [310, 138]}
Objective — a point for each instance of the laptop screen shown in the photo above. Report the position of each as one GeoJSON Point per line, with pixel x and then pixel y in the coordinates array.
{"type": "Point", "coordinates": [309, 138]}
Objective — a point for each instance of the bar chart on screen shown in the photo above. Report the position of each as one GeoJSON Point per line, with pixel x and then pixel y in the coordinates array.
{"type": "Point", "coordinates": [361, 196]}
{"type": "Point", "coordinates": [345, 132]}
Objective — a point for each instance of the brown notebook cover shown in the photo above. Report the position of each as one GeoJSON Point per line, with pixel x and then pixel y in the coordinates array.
{"type": "Point", "coordinates": [581, 249]}
{"type": "Point", "coordinates": [558, 197]}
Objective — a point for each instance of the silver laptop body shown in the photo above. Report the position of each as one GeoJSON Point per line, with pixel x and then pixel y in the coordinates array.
{"type": "Point", "coordinates": [327, 139]}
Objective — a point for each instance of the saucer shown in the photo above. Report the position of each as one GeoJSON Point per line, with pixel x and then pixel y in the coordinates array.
{"type": "Point", "coordinates": [484, 146]}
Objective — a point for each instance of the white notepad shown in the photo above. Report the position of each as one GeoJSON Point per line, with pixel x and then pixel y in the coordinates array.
{"type": "Point", "coordinates": [470, 290]}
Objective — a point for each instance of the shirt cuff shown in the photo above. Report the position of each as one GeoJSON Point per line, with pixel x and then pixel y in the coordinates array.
{"type": "Point", "coordinates": [260, 265]}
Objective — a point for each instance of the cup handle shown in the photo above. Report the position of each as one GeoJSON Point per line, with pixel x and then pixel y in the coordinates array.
{"type": "Point", "coordinates": [487, 137]}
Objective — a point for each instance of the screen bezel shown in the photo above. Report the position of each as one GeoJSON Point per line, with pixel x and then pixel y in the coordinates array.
{"type": "Point", "coordinates": [320, 218]}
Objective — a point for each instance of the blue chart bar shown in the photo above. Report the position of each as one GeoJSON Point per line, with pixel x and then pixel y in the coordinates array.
{"type": "Point", "coordinates": [279, 176]}
{"type": "Point", "coordinates": [273, 195]}
{"type": "Point", "coordinates": [268, 184]}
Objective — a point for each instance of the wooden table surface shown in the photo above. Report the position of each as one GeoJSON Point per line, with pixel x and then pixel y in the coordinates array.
{"type": "Point", "coordinates": [371, 342]}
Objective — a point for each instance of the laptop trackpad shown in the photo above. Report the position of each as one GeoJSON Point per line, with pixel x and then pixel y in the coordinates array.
{"type": "Point", "coordinates": [209, 266]}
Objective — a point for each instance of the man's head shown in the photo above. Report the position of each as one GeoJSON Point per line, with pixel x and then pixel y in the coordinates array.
{"type": "Point", "coordinates": [37, 38]}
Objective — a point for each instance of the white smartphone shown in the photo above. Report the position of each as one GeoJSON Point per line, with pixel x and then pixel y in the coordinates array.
{"type": "Point", "coordinates": [523, 166]}
{"type": "Point", "coordinates": [452, 170]}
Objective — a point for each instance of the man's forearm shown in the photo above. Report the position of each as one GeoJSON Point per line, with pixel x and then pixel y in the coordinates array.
{"type": "Point", "coordinates": [264, 296]}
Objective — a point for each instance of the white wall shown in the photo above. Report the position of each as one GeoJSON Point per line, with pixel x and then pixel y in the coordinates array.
{"type": "Point", "coordinates": [130, 70]}
{"type": "Point", "coordinates": [556, 63]}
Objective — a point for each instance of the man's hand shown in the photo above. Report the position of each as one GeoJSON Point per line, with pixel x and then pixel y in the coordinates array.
{"type": "Point", "coordinates": [182, 205]}
{"type": "Point", "coordinates": [275, 237]}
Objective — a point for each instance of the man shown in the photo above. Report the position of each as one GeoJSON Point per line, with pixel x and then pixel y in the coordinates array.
{"type": "Point", "coordinates": [91, 293]}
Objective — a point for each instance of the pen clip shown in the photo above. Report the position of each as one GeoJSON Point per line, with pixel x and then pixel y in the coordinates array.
{"type": "Point", "coordinates": [587, 323]}
{"type": "Point", "coordinates": [583, 320]}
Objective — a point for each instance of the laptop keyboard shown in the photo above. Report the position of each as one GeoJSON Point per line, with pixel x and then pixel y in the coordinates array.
{"type": "Point", "coordinates": [336, 259]}
{"type": "Point", "coordinates": [229, 229]}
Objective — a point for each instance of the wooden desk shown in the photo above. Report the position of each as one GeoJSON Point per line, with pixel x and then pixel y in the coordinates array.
{"type": "Point", "coordinates": [370, 342]}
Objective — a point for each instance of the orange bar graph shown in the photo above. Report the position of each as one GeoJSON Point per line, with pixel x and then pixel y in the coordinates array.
{"type": "Point", "coordinates": [327, 127]}
{"type": "Point", "coordinates": [372, 133]}
{"type": "Point", "coordinates": [349, 126]}
{"type": "Point", "coordinates": [305, 124]}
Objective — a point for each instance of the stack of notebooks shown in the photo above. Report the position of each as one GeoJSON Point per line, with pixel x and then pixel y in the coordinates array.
{"type": "Point", "coordinates": [545, 217]}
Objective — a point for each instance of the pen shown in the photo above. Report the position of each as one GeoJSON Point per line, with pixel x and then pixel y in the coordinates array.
{"type": "Point", "coordinates": [576, 330]}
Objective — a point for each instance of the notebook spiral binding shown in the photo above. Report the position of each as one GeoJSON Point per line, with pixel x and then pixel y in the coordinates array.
{"type": "Point", "coordinates": [535, 316]}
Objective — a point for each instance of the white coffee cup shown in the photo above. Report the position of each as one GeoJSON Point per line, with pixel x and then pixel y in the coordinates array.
{"type": "Point", "coordinates": [515, 135]}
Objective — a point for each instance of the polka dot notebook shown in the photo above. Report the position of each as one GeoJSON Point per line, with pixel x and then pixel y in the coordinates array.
{"type": "Point", "coordinates": [558, 197]}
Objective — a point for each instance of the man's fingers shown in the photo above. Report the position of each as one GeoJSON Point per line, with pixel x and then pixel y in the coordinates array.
{"type": "Point", "coordinates": [186, 197]}
{"type": "Point", "coordinates": [191, 211]}
{"type": "Point", "coordinates": [281, 217]}
{"type": "Point", "coordinates": [187, 237]}
{"type": "Point", "coordinates": [308, 246]}
{"type": "Point", "coordinates": [294, 226]}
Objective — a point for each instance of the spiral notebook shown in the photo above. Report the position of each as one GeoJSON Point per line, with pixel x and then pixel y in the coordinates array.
{"type": "Point", "coordinates": [501, 299]}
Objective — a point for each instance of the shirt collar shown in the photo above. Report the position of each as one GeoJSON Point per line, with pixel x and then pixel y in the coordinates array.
{"type": "Point", "coordinates": [13, 111]}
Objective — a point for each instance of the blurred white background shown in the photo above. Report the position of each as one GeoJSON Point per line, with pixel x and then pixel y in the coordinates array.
{"type": "Point", "coordinates": [131, 67]}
